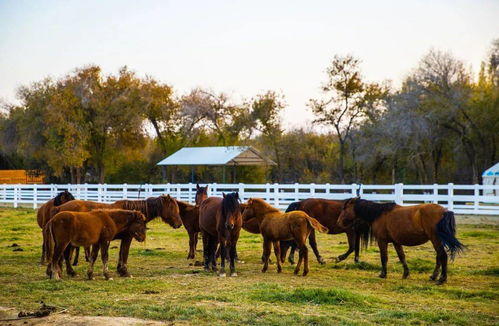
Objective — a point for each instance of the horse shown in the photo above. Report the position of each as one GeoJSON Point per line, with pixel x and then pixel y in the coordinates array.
{"type": "Point", "coordinates": [406, 226]}
{"type": "Point", "coordinates": [275, 226]}
{"type": "Point", "coordinates": [163, 206]}
{"type": "Point", "coordinates": [190, 218]}
{"type": "Point", "coordinates": [95, 228]}
{"type": "Point", "coordinates": [43, 216]}
{"type": "Point", "coordinates": [220, 221]}
{"type": "Point", "coordinates": [201, 194]}
{"type": "Point", "coordinates": [326, 212]}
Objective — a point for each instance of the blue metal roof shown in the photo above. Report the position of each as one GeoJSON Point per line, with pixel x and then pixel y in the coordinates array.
{"type": "Point", "coordinates": [492, 171]}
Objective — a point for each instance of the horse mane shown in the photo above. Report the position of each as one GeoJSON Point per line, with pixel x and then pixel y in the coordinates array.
{"type": "Point", "coordinates": [58, 198]}
{"type": "Point", "coordinates": [230, 205]}
{"type": "Point", "coordinates": [183, 206]}
{"type": "Point", "coordinates": [368, 210]}
{"type": "Point", "coordinates": [294, 206]}
{"type": "Point", "coordinates": [150, 207]}
{"type": "Point", "coordinates": [265, 205]}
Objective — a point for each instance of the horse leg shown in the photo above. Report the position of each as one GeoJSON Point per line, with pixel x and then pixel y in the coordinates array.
{"type": "Point", "coordinates": [213, 256]}
{"type": "Point", "coordinates": [190, 255]}
{"type": "Point", "coordinates": [351, 246]}
{"type": "Point", "coordinates": [223, 254]}
{"type": "Point", "coordinates": [401, 254]}
{"type": "Point", "coordinates": [68, 253]}
{"type": "Point", "coordinates": [93, 258]}
{"type": "Point", "coordinates": [433, 276]}
{"type": "Point", "coordinates": [357, 246]}
{"type": "Point", "coordinates": [291, 257]}
{"type": "Point", "coordinates": [443, 261]}
{"type": "Point", "coordinates": [383, 252]}
{"type": "Point", "coordinates": [206, 252]}
{"type": "Point", "coordinates": [77, 254]}
{"type": "Point", "coordinates": [277, 252]}
{"type": "Point", "coordinates": [233, 258]}
{"type": "Point", "coordinates": [300, 260]}
{"type": "Point", "coordinates": [87, 253]}
{"type": "Point", "coordinates": [54, 267]}
{"type": "Point", "coordinates": [104, 255]}
{"type": "Point", "coordinates": [313, 244]}
{"type": "Point", "coordinates": [266, 254]}
{"type": "Point", "coordinates": [44, 257]}
{"type": "Point", "coordinates": [123, 257]}
{"type": "Point", "coordinates": [196, 235]}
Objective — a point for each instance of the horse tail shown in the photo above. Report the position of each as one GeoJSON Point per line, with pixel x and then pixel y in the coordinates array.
{"type": "Point", "coordinates": [316, 224]}
{"type": "Point", "coordinates": [446, 232]}
{"type": "Point", "coordinates": [50, 241]}
{"type": "Point", "coordinates": [293, 207]}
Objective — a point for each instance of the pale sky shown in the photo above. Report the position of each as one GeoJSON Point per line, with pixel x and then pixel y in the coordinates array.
{"type": "Point", "coordinates": [239, 47]}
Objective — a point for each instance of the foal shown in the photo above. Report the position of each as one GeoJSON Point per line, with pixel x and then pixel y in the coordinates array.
{"type": "Point", "coordinates": [275, 225]}
{"type": "Point", "coordinates": [220, 221]}
{"type": "Point", "coordinates": [95, 228]}
{"type": "Point", "coordinates": [406, 226]}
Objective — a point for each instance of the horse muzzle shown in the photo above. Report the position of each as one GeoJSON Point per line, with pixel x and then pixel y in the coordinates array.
{"type": "Point", "coordinates": [229, 226]}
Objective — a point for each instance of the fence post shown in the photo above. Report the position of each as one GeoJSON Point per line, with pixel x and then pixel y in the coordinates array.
{"type": "Point", "coordinates": [435, 193]}
{"type": "Point", "coordinates": [450, 193]}
{"type": "Point", "coordinates": [312, 189]}
{"type": "Point", "coordinates": [276, 194]}
{"type": "Point", "coordinates": [297, 191]}
{"type": "Point", "coordinates": [212, 189]}
{"type": "Point", "coordinates": [241, 191]}
{"type": "Point", "coordinates": [86, 191]}
{"type": "Point", "coordinates": [99, 191]}
{"type": "Point", "coordinates": [476, 200]}
{"type": "Point", "coordinates": [35, 197]}
{"type": "Point", "coordinates": [125, 191]}
{"type": "Point", "coordinates": [399, 191]}
{"type": "Point", "coordinates": [190, 200]}
{"type": "Point", "coordinates": [15, 196]}
{"type": "Point", "coordinates": [354, 190]}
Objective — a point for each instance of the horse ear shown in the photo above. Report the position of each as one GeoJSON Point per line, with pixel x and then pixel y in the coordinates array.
{"type": "Point", "coordinates": [223, 194]}
{"type": "Point", "coordinates": [197, 186]}
{"type": "Point", "coordinates": [237, 195]}
{"type": "Point", "coordinates": [205, 190]}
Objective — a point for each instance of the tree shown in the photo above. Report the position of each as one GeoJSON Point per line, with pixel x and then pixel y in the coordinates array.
{"type": "Point", "coordinates": [347, 98]}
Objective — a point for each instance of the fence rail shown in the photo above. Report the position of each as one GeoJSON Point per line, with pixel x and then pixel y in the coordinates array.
{"type": "Point", "coordinates": [462, 199]}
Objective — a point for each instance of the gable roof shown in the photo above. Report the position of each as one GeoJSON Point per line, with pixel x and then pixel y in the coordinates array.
{"type": "Point", "coordinates": [492, 171]}
{"type": "Point", "coordinates": [217, 155]}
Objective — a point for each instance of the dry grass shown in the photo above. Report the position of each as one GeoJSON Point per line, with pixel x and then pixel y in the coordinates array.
{"type": "Point", "coordinates": [343, 293]}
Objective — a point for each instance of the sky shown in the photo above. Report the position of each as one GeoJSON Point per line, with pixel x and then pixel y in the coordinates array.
{"type": "Point", "coordinates": [241, 48]}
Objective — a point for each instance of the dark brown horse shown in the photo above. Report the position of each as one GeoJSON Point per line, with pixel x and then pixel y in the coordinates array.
{"type": "Point", "coordinates": [163, 206]}
{"type": "Point", "coordinates": [201, 194]}
{"type": "Point", "coordinates": [406, 226]}
{"type": "Point", "coordinates": [220, 221]}
{"type": "Point", "coordinates": [43, 216]}
{"type": "Point", "coordinates": [190, 218]}
{"type": "Point", "coordinates": [275, 226]}
{"type": "Point", "coordinates": [95, 228]}
{"type": "Point", "coordinates": [326, 212]}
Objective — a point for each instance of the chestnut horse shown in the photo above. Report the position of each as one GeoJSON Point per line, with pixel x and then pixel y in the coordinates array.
{"type": "Point", "coordinates": [275, 226]}
{"type": "Point", "coordinates": [406, 226]}
{"type": "Point", "coordinates": [201, 194]}
{"type": "Point", "coordinates": [220, 221]}
{"type": "Point", "coordinates": [163, 206]}
{"type": "Point", "coordinates": [43, 216]}
{"type": "Point", "coordinates": [95, 228]}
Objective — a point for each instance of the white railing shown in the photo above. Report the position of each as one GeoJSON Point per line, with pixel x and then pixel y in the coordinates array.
{"type": "Point", "coordinates": [462, 199]}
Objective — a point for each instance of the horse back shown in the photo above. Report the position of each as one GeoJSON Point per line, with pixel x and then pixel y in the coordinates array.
{"type": "Point", "coordinates": [325, 211]}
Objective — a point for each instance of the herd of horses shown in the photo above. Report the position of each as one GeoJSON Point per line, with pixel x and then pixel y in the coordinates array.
{"type": "Point", "coordinates": [68, 224]}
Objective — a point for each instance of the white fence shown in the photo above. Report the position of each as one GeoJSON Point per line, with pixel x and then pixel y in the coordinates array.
{"type": "Point", "coordinates": [462, 199]}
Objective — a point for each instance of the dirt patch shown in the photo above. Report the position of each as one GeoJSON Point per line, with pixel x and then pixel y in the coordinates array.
{"type": "Point", "coordinates": [64, 319]}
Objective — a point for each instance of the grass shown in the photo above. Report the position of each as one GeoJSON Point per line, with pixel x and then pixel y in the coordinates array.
{"type": "Point", "coordinates": [170, 288]}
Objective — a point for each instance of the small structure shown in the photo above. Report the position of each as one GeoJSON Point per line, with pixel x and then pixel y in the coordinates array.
{"type": "Point", "coordinates": [491, 177]}
{"type": "Point", "coordinates": [21, 177]}
{"type": "Point", "coordinates": [224, 156]}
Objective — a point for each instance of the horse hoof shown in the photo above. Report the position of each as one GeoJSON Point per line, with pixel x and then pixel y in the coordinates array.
{"type": "Point", "coordinates": [296, 272]}
{"type": "Point", "coordinates": [382, 275]}
{"type": "Point", "coordinates": [356, 260]}
{"type": "Point", "coordinates": [405, 276]}
{"type": "Point", "coordinates": [109, 279]}
{"type": "Point", "coordinates": [337, 260]}
{"type": "Point", "coordinates": [233, 274]}
{"type": "Point", "coordinates": [322, 262]}
{"type": "Point", "coordinates": [221, 275]}
{"type": "Point", "coordinates": [264, 270]}
{"type": "Point", "coordinates": [441, 282]}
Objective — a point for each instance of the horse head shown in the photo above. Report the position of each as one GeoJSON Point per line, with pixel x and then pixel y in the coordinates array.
{"type": "Point", "coordinates": [201, 194]}
{"type": "Point", "coordinates": [347, 215]}
{"type": "Point", "coordinates": [63, 197]}
{"type": "Point", "coordinates": [169, 211]}
{"type": "Point", "coordinates": [231, 211]}
{"type": "Point", "coordinates": [138, 226]}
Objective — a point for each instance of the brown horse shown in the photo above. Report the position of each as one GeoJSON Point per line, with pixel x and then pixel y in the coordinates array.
{"type": "Point", "coordinates": [275, 225]}
{"type": "Point", "coordinates": [201, 194]}
{"type": "Point", "coordinates": [190, 218]}
{"type": "Point", "coordinates": [406, 226]}
{"type": "Point", "coordinates": [43, 216]}
{"type": "Point", "coordinates": [220, 221]}
{"type": "Point", "coordinates": [163, 206]}
{"type": "Point", "coordinates": [95, 228]}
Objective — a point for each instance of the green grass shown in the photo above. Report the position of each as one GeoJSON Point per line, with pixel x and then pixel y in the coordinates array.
{"type": "Point", "coordinates": [170, 288]}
